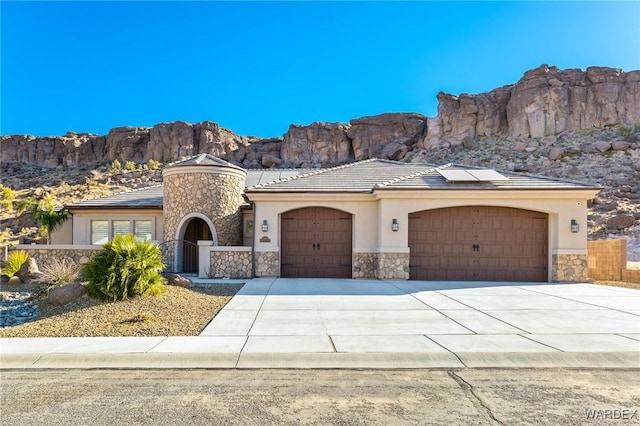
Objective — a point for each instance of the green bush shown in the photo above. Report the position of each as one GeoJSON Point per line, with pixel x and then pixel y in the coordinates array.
{"type": "Point", "coordinates": [116, 166]}
{"type": "Point", "coordinates": [129, 166]}
{"type": "Point", "coordinates": [7, 195]}
{"type": "Point", "coordinates": [124, 268]}
{"type": "Point", "coordinates": [153, 164]}
{"type": "Point", "coordinates": [14, 261]}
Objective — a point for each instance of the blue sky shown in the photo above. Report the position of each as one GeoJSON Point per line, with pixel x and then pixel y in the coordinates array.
{"type": "Point", "coordinates": [257, 67]}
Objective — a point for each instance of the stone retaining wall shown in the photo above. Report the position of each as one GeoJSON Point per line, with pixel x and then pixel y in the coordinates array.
{"type": "Point", "coordinates": [44, 254]}
{"type": "Point", "coordinates": [230, 263]}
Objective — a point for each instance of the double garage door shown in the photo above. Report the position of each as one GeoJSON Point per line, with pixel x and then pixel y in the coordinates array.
{"type": "Point", "coordinates": [478, 243]}
{"type": "Point", "coordinates": [460, 243]}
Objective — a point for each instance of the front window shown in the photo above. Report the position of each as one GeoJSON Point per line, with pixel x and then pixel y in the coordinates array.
{"type": "Point", "coordinates": [121, 227]}
{"type": "Point", "coordinates": [142, 229]}
{"type": "Point", "coordinates": [99, 232]}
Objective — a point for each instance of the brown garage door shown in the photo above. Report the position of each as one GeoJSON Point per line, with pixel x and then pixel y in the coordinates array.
{"type": "Point", "coordinates": [478, 243]}
{"type": "Point", "coordinates": [316, 243]}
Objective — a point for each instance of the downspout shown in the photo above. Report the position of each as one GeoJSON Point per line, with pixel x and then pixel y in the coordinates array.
{"type": "Point", "coordinates": [253, 241]}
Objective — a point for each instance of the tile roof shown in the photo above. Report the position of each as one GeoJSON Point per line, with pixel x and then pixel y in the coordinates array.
{"type": "Point", "coordinates": [367, 176]}
{"type": "Point", "coordinates": [137, 199]}
{"type": "Point", "coordinates": [361, 177]}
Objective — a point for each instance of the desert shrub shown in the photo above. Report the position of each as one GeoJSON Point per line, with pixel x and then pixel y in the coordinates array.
{"type": "Point", "coordinates": [124, 268]}
{"type": "Point", "coordinates": [57, 272]}
{"type": "Point", "coordinates": [153, 164]}
{"type": "Point", "coordinates": [625, 133]}
{"type": "Point", "coordinates": [13, 262]}
{"type": "Point", "coordinates": [116, 166]}
{"type": "Point", "coordinates": [7, 195]}
{"type": "Point", "coordinates": [129, 166]}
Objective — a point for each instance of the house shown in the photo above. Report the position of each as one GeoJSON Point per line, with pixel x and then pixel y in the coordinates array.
{"type": "Point", "coordinates": [370, 219]}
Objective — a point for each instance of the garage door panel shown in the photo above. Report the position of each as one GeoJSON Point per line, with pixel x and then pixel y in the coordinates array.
{"type": "Point", "coordinates": [478, 243]}
{"type": "Point", "coordinates": [316, 243]}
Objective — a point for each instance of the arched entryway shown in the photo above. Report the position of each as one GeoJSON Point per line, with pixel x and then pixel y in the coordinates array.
{"type": "Point", "coordinates": [316, 243]}
{"type": "Point", "coordinates": [478, 243]}
{"type": "Point", "coordinates": [193, 228]}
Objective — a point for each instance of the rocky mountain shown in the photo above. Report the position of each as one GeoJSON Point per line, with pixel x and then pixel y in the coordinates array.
{"type": "Point", "coordinates": [571, 124]}
{"type": "Point", "coordinates": [546, 101]}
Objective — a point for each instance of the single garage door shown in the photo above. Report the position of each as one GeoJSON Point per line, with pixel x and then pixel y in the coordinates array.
{"type": "Point", "coordinates": [316, 243]}
{"type": "Point", "coordinates": [478, 243]}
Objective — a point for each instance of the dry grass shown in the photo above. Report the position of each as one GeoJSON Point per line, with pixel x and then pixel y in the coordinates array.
{"type": "Point", "coordinates": [179, 312]}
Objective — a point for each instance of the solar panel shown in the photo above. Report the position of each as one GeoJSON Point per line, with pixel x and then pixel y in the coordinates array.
{"type": "Point", "coordinates": [457, 175]}
{"type": "Point", "coordinates": [486, 175]}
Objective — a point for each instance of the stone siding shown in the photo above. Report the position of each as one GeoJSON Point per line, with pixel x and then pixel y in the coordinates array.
{"type": "Point", "coordinates": [569, 268]}
{"type": "Point", "coordinates": [230, 264]}
{"type": "Point", "coordinates": [365, 265]}
{"type": "Point", "coordinates": [44, 254]}
{"type": "Point", "coordinates": [214, 195]}
{"type": "Point", "coordinates": [267, 264]}
{"type": "Point", "coordinates": [394, 266]}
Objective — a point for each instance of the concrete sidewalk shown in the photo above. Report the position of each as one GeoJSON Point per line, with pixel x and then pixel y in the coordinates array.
{"type": "Point", "coordinates": [326, 323]}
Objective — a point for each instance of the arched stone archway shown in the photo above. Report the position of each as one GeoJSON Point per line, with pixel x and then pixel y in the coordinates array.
{"type": "Point", "coordinates": [192, 228]}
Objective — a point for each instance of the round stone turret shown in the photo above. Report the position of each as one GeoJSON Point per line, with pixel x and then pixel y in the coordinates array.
{"type": "Point", "coordinates": [203, 192]}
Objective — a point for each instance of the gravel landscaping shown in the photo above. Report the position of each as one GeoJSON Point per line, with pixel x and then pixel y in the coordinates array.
{"type": "Point", "coordinates": [178, 312]}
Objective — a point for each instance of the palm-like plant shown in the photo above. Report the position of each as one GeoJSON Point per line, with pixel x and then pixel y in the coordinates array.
{"type": "Point", "coordinates": [124, 268]}
{"type": "Point", "coordinates": [47, 212]}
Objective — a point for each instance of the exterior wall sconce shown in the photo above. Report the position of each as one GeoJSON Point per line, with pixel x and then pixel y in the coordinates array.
{"type": "Point", "coordinates": [574, 226]}
{"type": "Point", "coordinates": [265, 226]}
{"type": "Point", "coordinates": [394, 225]}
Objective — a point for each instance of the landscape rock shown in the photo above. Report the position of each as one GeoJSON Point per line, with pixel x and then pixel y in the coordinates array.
{"type": "Point", "coordinates": [29, 271]}
{"type": "Point", "coordinates": [556, 153]}
{"type": "Point", "coordinates": [178, 280]}
{"type": "Point", "coordinates": [66, 294]}
{"type": "Point", "coordinates": [14, 281]}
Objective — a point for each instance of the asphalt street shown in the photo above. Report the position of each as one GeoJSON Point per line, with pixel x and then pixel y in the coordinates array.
{"type": "Point", "coordinates": [320, 397]}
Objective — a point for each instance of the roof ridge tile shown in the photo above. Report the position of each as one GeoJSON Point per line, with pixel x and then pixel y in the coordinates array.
{"type": "Point", "coordinates": [412, 175]}
{"type": "Point", "coordinates": [314, 173]}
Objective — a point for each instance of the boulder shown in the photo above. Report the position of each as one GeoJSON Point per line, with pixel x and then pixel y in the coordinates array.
{"type": "Point", "coordinates": [178, 280]}
{"type": "Point", "coordinates": [14, 281]}
{"type": "Point", "coordinates": [66, 293]}
{"type": "Point", "coordinates": [620, 146]}
{"type": "Point", "coordinates": [556, 153]}
{"type": "Point", "coordinates": [29, 271]}
{"type": "Point", "coordinates": [269, 160]}
{"type": "Point", "coordinates": [603, 146]}
{"type": "Point", "coordinates": [621, 221]}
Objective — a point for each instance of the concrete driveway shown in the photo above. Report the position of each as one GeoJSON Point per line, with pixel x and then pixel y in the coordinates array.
{"type": "Point", "coordinates": [332, 323]}
{"type": "Point", "coordinates": [453, 321]}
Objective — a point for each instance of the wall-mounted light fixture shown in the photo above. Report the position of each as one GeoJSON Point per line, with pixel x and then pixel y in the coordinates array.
{"type": "Point", "coordinates": [574, 226]}
{"type": "Point", "coordinates": [394, 225]}
{"type": "Point", "coordinates": [265, 226]}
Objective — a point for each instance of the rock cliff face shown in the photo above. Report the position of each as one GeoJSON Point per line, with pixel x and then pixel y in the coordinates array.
{"type": "Point", "coordinates": [546, 101]}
